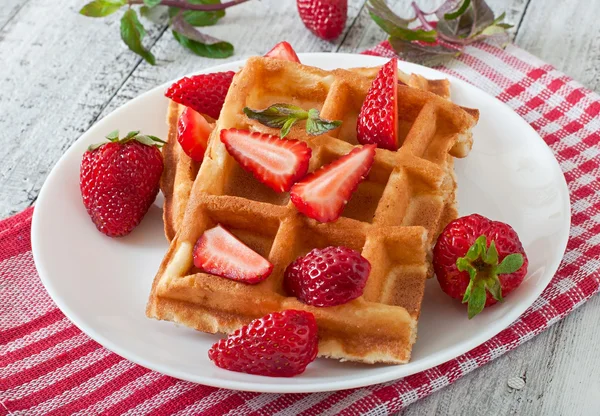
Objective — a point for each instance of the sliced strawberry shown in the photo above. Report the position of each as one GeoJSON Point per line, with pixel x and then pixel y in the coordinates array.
{"type": "Point", "coordinates": [378, 118]}
{"type": "Point", "coordinates": [323, 194]}
{"type": "Point", "coordinates": [192, 133]}
{"type": "Point", "coordinates": [219, 252]}
{"type": "Point", "coordinates": [278, 163]}
{"type": "Point", "coordinates": [205, 93]}
{"type": "Point", "coordinates": [283, 51]}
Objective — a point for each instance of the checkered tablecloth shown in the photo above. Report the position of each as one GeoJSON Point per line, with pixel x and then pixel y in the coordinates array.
{"type": "Point", "coordinates": [49, 367]}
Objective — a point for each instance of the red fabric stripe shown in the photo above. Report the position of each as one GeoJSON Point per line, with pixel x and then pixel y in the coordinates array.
{"type": "Point", "coordinates": [65, 384]}
{"type": "Point", "coordinates": [17, 231]}
{"type": "Point", "coordinates": [141, 395]}
{"type": "Point", "coordinates": [27, 328]}
{"type": "Point", "coordinates": [283, 401]}
{"type": "Point", "coordinates": [39, 346]}
{"type": "Point", "coordinates": [223, 407]}
{"type": "Point", "coordinates": [46, 367]}
{"type": "Point", "coordinates": [95, 396]}
{"type": "Point", "coordinates": [321, 407]}
{"type": "Point", "coordinates": [183, 400]}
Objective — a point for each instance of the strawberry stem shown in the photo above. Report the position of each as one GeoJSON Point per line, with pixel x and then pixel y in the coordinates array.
{"type": "Point", "coordinates": [481, 262]}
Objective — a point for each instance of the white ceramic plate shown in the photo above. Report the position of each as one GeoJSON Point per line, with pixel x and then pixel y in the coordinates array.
{"type": "Point", "coordinates": [102, 284]}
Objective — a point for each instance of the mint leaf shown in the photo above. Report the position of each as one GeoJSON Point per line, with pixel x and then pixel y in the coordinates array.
{"type": "Point", "coordinates": [199, 18]}
{"type": "Point", "coordinates": [132, 33]}
{"type": "Point", "coordinates": [405, 33]}
{"type": "Point", "coordinates": [424, 55]}
{"type": "Point", "coordinates": [199, 43]}
{"type": "Point", "coordinates": [218, 50]}
{"type": "Point", "coordinates": [155, 14]}
{"type": "Point", "coordinates": [151, 3]}
{"type": "Point", "coordinates": [483, 16]}
{"type": "Point", "coordinates": [456, 14]}
{"type": "Point", "coordinates": [101, 8]}
{"type": "Point", "coordinates": [316, 125]}
{"type": "Point", "coordinates": [277, 115]}
{"type": "Point", "coordinates": [287, 125]}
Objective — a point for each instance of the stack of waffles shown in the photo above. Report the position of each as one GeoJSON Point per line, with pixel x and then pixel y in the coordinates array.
{"type": "Point", "coordinates": [392, 219]}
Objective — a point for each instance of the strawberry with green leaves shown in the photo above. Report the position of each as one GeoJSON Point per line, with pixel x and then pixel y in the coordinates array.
{"type": "Point", "coordinates": [119, 181]}
{"type": "Point", "coordinates": [479, 261]}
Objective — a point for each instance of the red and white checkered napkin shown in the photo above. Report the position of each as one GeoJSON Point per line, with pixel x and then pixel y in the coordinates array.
{"type": "Point", "coordinates": [49, 367]}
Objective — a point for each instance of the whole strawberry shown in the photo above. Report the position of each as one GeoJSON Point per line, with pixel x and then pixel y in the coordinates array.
{"type": "Point", "coordinates": [280, 344]}
{"type": "Point", "coordinates": [204, 93]}
{"type": "Point", "coordinates": [479, 261]}
{"type": "Point", "coordinates": [119, 181]}
{"type": "Point", "coordinates": [327, 277]}
{"type": "Point", "coordinates": [325, 18]}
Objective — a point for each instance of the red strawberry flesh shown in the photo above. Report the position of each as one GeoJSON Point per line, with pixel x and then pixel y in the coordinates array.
{"type": "Point", "coordinates": [327, 277]}
{"type": "Point", "coordinates": [280, 344]}
{"type": "Point", "coordinates": [378, 117]}
{"type": "Point", "coordinates": [193, 131]}
{"type": "Point", "coordinates": [283, 51]}
{"type": "Point", "coordinates": [278, 163]}
{"type": "Point", "coordinates": [205, 93]}
{"type": "Point", "coordinates": [323, 194]}
{"type": "Point", "coordinates": [220, 253]}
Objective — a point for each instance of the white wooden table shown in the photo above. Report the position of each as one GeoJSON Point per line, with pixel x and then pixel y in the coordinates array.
{"type": "Point", "coordinates": [60, 72]}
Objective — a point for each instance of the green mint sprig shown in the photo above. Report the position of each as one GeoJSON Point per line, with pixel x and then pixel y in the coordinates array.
{"type": "Point", "coordinates": [455, 24]}
{"type": "Point", "coordinates": [184, 16]}
{"type": "Point", "coordinates": [284, 116]}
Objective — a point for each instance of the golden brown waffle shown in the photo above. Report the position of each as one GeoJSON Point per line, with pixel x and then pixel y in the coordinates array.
{"type": "Point", "coordinates": [180, 171]}
{"type": "Point", "coordinates": [391, 219]}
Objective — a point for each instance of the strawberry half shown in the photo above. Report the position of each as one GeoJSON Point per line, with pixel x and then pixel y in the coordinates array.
{"type": "Point", "coordinates": [278, 163]}
{"type": "Point", "coordinates": [378, 117]}
{"type": "Point", "coordinates": [323, 194]}
{"type": "Point", "coordinates": [283, 51]}
{"type": "Point", "coordinates": [205, 93]}
{"type": "Point", "coordinates": [193, 131]}
{"type": "Point", "coordinates": [218, 252]}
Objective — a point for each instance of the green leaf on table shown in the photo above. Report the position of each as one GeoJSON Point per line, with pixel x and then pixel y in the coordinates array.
{"type": "Point", "coordinates": [155, 14]}
{"type": "Point", "coordinates": [197, 42]}
{"type": "Point", "coordinates": [395, 25]}
{"type": "Point", "coordinates": [219, 50]}
{"type": "Point", "coordinates": [113, 135]}
{"type": "Point", "coordinates": [132, 33]}
{"type": "Point", "coordinates": [483, 16]}
{"type": "Point", "coordinates": [151, 3]}
{"type": "Point", "coordinates": [198, 17]}
{"type": "Point", "coordinates": [459, 11]}
{"type": "Point", "coordinates": [421, 54]}
{"type": "Point", "coordinates": [101, 8]}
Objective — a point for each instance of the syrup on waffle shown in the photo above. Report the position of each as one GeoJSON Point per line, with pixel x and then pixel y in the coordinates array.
{"type": "Point", "coordinates": [392, 219]}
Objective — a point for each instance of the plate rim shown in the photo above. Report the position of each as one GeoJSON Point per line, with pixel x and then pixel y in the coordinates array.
{"type": "Point", "coordinates": [273, 387]}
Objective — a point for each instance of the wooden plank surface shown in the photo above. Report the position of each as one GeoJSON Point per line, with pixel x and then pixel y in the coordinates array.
{"type": "Point", "coordinates": [60, 75]}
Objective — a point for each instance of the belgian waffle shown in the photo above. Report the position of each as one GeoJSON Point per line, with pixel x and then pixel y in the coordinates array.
{"type": "Point", "coordinates": [180, 171]}
{"type": "Point", "coordinates": [392, 218]}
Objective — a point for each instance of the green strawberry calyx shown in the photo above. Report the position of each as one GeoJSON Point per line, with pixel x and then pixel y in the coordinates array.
{"type": "Point", "coordinates": [481, 262]}
{"type": "Point", "coordinates": [113, 137]}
